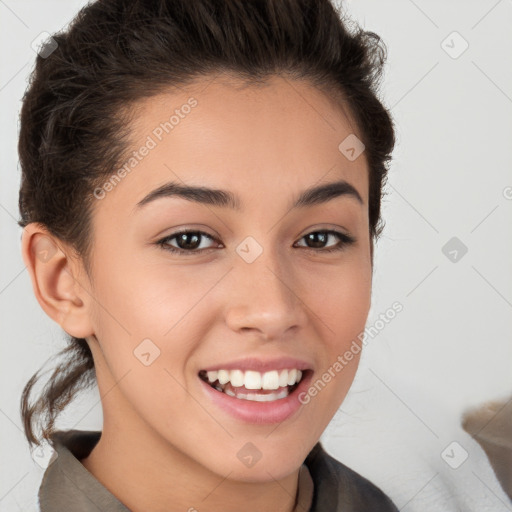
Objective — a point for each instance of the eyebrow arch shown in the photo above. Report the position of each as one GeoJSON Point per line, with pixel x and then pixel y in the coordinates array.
{"type": "Point", "coordinates": [225, 199]}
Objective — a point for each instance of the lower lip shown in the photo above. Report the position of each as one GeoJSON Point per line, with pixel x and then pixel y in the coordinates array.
{"type": "Point", "coordinates": [251, 411]}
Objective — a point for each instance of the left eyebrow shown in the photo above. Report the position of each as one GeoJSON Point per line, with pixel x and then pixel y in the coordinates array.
{"type": "Point", "coordinates": [226, 199]}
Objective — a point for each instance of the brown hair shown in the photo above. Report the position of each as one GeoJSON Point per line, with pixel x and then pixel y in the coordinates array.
{"type": "Point", "coordinates": [76, 112]}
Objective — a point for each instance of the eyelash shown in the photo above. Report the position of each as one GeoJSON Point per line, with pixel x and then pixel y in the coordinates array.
{"type": "Point", "coordinates": [344, 241]}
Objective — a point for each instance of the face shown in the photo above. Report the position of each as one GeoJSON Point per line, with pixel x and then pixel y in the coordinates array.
{"type": "Point", "coordinates": [264, 286]}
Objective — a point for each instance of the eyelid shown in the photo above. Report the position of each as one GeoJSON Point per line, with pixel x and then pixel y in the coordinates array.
{"type": "Point", "coordinates": [196, 228]}
{"type": "Point", "coordinates": [325, 228]}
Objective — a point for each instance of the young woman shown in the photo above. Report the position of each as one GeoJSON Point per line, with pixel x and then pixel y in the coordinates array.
{"type": "Point", "coordinates": [200, 197]}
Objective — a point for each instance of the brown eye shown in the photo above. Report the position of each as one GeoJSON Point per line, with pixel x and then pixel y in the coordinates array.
{"type": "Point", "coordinates": [188, 242]}
{"type": "Point", "coordinates": [316, 240]}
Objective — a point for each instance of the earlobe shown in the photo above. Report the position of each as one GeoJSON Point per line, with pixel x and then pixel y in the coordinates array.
{"type": "Point", "coordinates": [56, 280]}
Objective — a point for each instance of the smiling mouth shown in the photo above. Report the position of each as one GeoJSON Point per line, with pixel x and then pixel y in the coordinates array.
{"type": "Point", "coordinates": [257, 389]}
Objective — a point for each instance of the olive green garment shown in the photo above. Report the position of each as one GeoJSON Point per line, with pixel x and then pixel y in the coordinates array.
{"type": "Point", "coordinates": [325, 485]}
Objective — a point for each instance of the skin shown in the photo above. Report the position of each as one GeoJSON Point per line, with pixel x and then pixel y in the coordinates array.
{"type": "Point", "coordinates": [165, 446]}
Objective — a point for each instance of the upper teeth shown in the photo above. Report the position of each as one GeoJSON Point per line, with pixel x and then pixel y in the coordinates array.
{"type": "Point", "coordinates": [256, 380]}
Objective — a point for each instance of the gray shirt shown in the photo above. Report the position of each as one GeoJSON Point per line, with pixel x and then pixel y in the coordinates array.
{"type": "Point", "coordinates": [325, 484]}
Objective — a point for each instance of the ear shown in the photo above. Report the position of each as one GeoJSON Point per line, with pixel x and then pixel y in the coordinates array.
{"type": "Point", "coordinates": [59, 281]}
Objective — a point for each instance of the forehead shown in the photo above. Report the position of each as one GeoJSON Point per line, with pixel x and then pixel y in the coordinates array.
{"type": "Point", "coordinates": [281, 135]}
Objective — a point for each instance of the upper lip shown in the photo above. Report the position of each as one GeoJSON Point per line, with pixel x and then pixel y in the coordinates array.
{"type": "Point", "coordinates": [261, 365]}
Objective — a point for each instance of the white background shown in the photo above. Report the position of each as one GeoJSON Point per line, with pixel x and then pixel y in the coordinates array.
{"type": "Point", "coordinates": [450, 347]}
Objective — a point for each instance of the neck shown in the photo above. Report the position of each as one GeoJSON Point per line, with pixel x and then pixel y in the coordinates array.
{"type": "Point", "coordinates": [145, 472]}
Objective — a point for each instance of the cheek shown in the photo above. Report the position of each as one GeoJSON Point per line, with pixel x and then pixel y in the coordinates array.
{"type": "Point", "coordinates": [165, 304]}
{"type": "Point", "coordinates": [340, 298]}
{"type": "Point", "coordinates": [149, 299]}
{"type": "Point", "coordinates": [146, 321]}
{"type": "Point", "coordinates": [340, 295]}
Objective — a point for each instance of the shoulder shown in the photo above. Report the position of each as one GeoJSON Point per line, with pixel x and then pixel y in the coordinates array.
{"type": "Point", "coordinates": [339, 488]}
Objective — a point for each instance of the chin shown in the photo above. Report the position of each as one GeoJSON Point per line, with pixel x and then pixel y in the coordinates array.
{"type": "Point", "coordinates": [261, 460]}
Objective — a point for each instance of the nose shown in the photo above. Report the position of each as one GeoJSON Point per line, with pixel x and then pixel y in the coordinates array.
{"type": "Point", "coordinates": [264, 298]}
